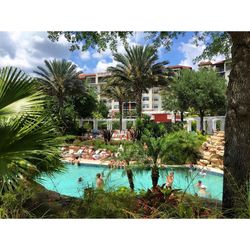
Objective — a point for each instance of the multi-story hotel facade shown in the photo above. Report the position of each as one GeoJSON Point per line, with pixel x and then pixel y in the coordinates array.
{"type": "Point", "coordinates": [151, 101]}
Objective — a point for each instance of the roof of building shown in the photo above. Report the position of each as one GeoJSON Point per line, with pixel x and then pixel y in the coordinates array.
{"type": "Point", "coordinates": [82, 76]}
{"type": "Point", "coordinates": [203, 63]}
{"type": "Point", "coordinates": [220, 62]}
{"type": "Point", "coordinates": [179, 67]}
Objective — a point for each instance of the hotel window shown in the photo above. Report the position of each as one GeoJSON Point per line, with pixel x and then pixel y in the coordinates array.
{"type": "Point", "coordinates": [155, 106]}
{"type": "Point", "coordinates": [90, 79]}
{"type": "Point", "coordinates": [145, 98]}
{"type": "Point", "coordinates": [102, 79]}
{"type": "Point", "coordinates": [156, 99]}
{"type": "Point", "coordinates": [145, 106]}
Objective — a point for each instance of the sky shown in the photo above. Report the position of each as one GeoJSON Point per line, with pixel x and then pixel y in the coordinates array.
{"type": "Point", "coordinates": [27, 50]}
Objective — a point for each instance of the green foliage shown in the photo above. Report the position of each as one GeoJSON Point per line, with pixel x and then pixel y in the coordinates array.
{"type": "Point", "coordinates": [115, 125]}
{"type": "Point", "coordinates": [112, 204]}
{"type": "Point", "coordinates": [204, 91]}
{"type": "Point", "coordinates": [84, 105]}
{"type": "Point", "coordinates": [216, 43]}
{"type": "Point", "coordinates": [101, 111]}
{"type": "Point", "coordinates": [181, 147]}
{"type": "Point", "coordinates": [60, 78]}
{"type": "Point", "coordinates": [29, 143]}
{"type": "Point", "coordinates": [145, 126]}
{"type": "Point", "coordinates": [12, 204]}
{"type": "Point", "coordinates": [69, 96]}
{"type": "Point", "coordinates": [139, 70]}
{"type": "Point", "coordinates": [207, 90]}
{"type": "Point", "coordinates": [85, 40]}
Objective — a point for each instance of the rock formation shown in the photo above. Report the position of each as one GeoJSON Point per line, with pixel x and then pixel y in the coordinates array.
{"type": "Point", "coordinates": [212, 151]}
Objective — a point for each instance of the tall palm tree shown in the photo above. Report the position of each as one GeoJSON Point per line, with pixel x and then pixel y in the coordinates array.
{"type": "Point", "coordinates": [60, 78]}
{"type": "Point", "coordinates": [28, 144]}
{"type": "Point", "coordinates": [139, 70]}
{"type": "Point", "coordinates": [118, 93]}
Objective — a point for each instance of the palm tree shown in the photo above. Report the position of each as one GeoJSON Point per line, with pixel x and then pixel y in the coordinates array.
{"type": "Point", "coordinates": [153, 152]}
{"type": "Point", "coordinates": [118, 93]}
{"type": "Point", "coordinates": [60, 78]}
{"type": "Point", "coordinates": [129, 154]}
{"type": "Point", "coordinates": [28, 144]}
{"type": "Point", "coordinates": [139, 70]}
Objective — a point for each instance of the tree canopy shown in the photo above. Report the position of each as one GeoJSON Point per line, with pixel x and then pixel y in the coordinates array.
{"type": "Point", "coordinates": [203, 90]}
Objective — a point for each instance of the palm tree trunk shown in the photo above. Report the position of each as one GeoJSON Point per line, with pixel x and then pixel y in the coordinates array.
{"type": "Point", "coordinates": [155, 175]}
{"type": "Point", "coordinates": [130, 179]}
{"type": "Point", "coordinates": [120, 114]}
{"type": "Point", "coordinates": [182, 116]}
{"type": "Point", "coordinates": [201, 119]}
{"type": "Point", "coordinates": [60, 106]}
{"type": "Point", "coordinates": [138, 103]}
{"type": "Point", "coordinates": [237, 127]}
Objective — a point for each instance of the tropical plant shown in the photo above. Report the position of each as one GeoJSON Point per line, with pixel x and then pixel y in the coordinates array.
{"type": "Point", "coordinates": [146, 126]}
{"type": "Point", "coordinates": [139, 70]}
{"type": "Point", "coordinates": [29, 144]}
{"type": "Point", "coordinates": [130, 154]}
{"type": "Point", "coordinates": [59, 79]}
{"type": "Point", "coordinates": [153, 151]}
{"type": "Point", "coordinates": [181, 147]}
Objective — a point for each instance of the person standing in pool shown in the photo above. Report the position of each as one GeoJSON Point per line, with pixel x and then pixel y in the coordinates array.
{"type": "Point", "coordinates": [199, 184]}
{"type": "Point", "coordinates": [170, 180]}
{"type": "Point", "coordinates": [99, 181]}
{"type": "Point", "coordinates": [203, 192]}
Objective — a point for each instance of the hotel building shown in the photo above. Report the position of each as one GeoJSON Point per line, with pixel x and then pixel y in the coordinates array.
{"type": "Point", "coordinates": [151, 101]}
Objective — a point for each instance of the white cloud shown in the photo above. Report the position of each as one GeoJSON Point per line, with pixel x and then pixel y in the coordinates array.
{"type": "Point", "coordinates": [27, 50]}
{"type": "Point", "coordinates": [102, 65]}
{"type": "Point", "coordinates": [191, 51]}
{"type": "Point", "coordinates": [85, 55]}
{"type": "Point", "coordinates": [102, 54]}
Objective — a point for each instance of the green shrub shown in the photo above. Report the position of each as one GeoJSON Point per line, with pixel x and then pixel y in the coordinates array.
{"type": "Point", "coordinates": [115, 125]}
{"type": "Point", "coordinates": [12, 203]}
{"type": "Point", "coordinates": [182, 147]}
{"type": "Point", "coordinates": [112, 204]}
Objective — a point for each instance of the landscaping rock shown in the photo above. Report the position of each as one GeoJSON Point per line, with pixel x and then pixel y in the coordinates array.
{"type": "Point", "coordinates": [212, 151]}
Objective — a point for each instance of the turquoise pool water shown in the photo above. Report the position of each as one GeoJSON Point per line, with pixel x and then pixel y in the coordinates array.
{"type": "Point", "coordinates": [67, 182]}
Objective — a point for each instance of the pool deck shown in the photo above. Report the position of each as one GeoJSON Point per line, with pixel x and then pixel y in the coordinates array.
{"type": "Point", "coordinates": [98, 162]}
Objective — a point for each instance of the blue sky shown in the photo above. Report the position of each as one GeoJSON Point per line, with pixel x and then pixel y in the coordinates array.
{"type": "Point", "coordinates": [27, 50]}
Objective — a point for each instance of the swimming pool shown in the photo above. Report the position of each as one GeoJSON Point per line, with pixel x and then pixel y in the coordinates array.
{"type": "Point", "coordinates": [67, 182]}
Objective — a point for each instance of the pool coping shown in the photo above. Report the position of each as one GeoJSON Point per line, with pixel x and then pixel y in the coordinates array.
{"type": "Point", "coordinates": [106, 163]}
